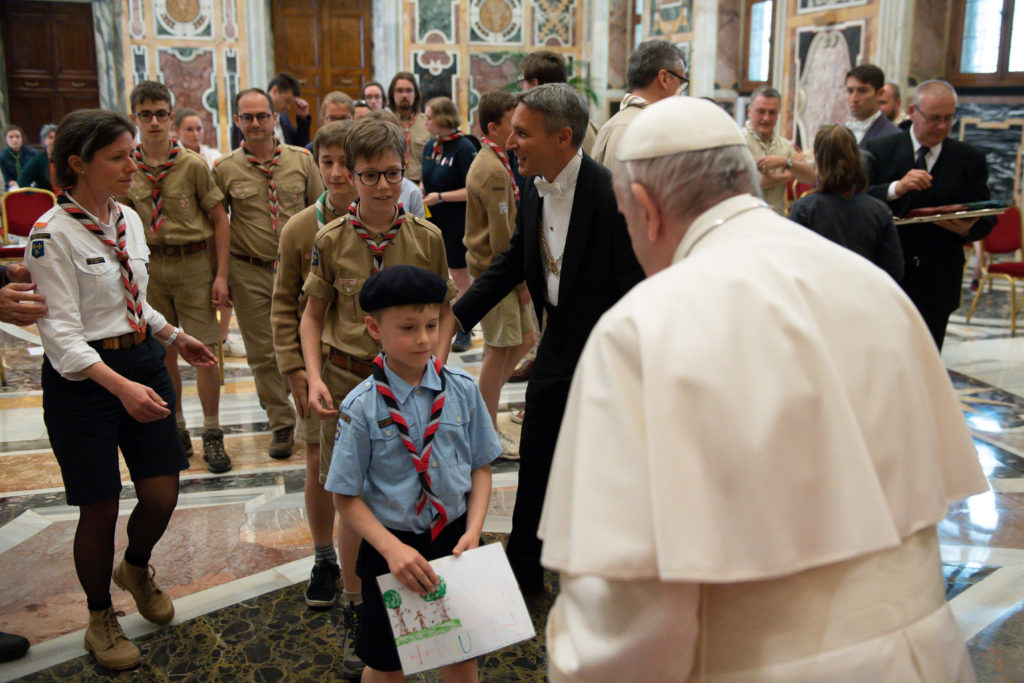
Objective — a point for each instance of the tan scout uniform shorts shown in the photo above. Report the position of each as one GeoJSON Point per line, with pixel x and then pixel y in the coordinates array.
{"type": "Point", "coordinates": [179, 287]}
{"type": "Point", "coordinates": [507, 323]}
{"type": "Point", "coordinates": [340, 382]}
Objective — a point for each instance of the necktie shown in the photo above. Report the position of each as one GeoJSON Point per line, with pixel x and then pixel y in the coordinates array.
{"type": "Point", "coordinates": [920, 161]}
{"type": "Point", "coordinates": [275, 210]}
{"type": "Point", "coordinates": [156, 178]}
{"type": "Point", "coordinates": [127, 278]}
{"type": "Point", "coordinates": [421, 461]}
{"type": "Point", "coordinates": [504, 161]}
{"type": "Point", "coordinates": [376, 248]}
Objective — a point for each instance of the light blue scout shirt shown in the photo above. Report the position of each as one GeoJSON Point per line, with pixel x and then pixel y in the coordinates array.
{"type": "Point", "coordinates": [369, 457]}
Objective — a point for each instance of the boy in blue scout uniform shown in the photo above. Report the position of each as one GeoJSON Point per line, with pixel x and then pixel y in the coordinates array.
{"type": "Point", "coordinates": [411, 465]}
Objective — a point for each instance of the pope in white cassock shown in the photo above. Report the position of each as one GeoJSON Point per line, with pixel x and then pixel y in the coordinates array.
{"type": "Point", "coordinates": [758, 444]}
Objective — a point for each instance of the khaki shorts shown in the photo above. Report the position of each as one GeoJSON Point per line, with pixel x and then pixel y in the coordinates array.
{"type": "Point", "coordinates": [307, 429]}
{"type": "Point", "coordinates": [179, 287]}
{"type": "Point", "coordinates": [507, 323]}
{"type": "Point", "coordinates": [339, 382]}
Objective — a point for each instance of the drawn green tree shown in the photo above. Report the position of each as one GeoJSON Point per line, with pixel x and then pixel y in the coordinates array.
{"type": "Point", "coordinates": [392, 600]}
{"type": "Point", "coordinates": [438, 596]}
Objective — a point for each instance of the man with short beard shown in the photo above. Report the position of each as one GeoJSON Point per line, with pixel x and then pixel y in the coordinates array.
{"type": "Point", "coordinates": [404, 99]}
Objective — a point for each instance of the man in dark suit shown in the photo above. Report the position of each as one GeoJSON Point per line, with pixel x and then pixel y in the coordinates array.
{"type": "Point", "coordinates": [923, 167]}
{"type": "Point", "coordinates": [571, 247]}
{"type": "Point", "coordinates": [867, 122]}
{"type": "Point", "coordinates": [284, 91]}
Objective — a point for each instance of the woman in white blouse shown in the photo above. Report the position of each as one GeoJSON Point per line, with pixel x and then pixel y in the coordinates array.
{"type": "Point", "coordinates": [104, 383]}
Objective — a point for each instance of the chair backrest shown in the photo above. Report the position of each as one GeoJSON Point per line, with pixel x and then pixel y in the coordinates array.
{"type": "Point", "coordinates": [21, 208]}
{"type": "Point", "coordinates": [1005, 237]}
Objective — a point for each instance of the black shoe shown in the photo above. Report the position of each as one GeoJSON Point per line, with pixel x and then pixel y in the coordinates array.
{"type": "Point", "coordinates": [186, 442]}
{"type": "Point", "coordinates": [216, 458]}
{"type": "Point", "coordinates": [12, 646]}
{"type": "Point", "coordinates": [462, 342]}
{"type": "Point", "coordinates": [351, 665]}
{"type": "Point", "coordinates": [322, 590]}
{"type": "Point", "coordinates": [281, 446]}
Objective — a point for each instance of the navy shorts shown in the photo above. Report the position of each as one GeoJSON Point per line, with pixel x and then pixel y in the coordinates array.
{"type": "Point", "coordinates": [87, 424]}
{"type": "Point", "coordinates": [376, 642]}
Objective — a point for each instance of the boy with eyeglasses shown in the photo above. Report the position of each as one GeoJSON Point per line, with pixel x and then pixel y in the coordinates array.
{"type": "Point", "coordinates": [265, 183]}
{"type": "Point", "coordinates": [375, 234]}
{"type": "Point", "coordinates": [182, 210]}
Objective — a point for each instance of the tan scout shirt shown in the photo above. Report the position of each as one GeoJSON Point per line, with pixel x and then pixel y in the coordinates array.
{"type": "Point", "coordinates": [759, 147]}
{"type": "Point", "coordinates": [342, 262]}
{"type": "Point", "coordinates": [289, 301]}
{"type": "Point", "coordinates": [418, 137]}
{"type": "Point", "coordinates": [608, 137]}
{"type": "Point", "coordinates": [589, 136]}
{"type": "Point", "coordinates": [490, 211]}
{"type": "Point", "coordinates": [247, 197]}
{"type": "Point", "coordinates": [188, 193]}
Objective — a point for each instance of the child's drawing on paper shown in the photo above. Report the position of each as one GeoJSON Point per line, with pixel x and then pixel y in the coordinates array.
{"type": "Point", "coordinates": [429, 614]}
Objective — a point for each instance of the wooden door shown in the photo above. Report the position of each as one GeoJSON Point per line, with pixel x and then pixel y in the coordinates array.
{"type": "Point", "coordinates": [325, 45]}
{"type": "Point", "coordinates": [50, 56]}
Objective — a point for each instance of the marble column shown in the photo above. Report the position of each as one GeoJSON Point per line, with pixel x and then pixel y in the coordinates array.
{"type": "Point", "coordinates": [387, 42]}
{"type": "Point", "coordinates": [892, 46]}
{"type": "Point", "coordinates": [704, 57]}
{"type": "Point", "coordinates": [598, 58]}
{"type": "Point", "coordinates": [259, 41]}
{"type": "Point", "coordinates": [106, 20]}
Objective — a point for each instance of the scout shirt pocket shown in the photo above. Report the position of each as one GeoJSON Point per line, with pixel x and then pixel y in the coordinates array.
{"type": "Point", "coordinates": [348, 297]}
{"type": "Point", "coordinates": [451, 453]}
{"type": "Point", "coordinates": [390, 461]}
{"type": "Point", "coordinates": [292, 197]}
{"type": "Point", "coordinates": [241, 191]}
{"type": "Point", "coordinates": [181, 209]}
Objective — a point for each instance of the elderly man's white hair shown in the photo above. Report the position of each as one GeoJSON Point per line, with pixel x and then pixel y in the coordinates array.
{"type": "Point", "coordinates": [934, 87]}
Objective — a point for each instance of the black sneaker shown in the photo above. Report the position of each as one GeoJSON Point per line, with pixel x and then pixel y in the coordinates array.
{"type": "Point", "coordinates": [281, 445]}
{"type": "Point", "coordinates": [351, 666]}
{"type": "Point", "coordinates": [12, 646]}
{"type": "Point", "coordinates": [216, 457]}
{"type": "Point", "coordinates": [322, 590]}
{"type": "Point", "coordinates": [186, 442]}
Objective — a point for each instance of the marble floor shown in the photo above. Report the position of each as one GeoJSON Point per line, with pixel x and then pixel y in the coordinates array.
{"type": "Point", "coordinates": [237, 553]}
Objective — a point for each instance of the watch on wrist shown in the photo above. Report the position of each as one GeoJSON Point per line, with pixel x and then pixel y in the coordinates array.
{"type": "Point", "coordinates": [440, 199]}
{"type": "Point", "coordinates": [789, 162]}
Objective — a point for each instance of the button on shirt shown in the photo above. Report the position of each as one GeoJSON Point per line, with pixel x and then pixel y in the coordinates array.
{"type": "Point", "coordinates": [81, 279]}
{"type": "Point", "coordinates": [555, 216]}
{"type": "Point", "coordinates": [370, 460]}
{"type": "Point", "coordinates": [929, 161]}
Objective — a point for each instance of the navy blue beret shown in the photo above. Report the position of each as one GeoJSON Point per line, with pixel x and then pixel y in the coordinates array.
{"type": "Point", "coordinates": [402, 286]}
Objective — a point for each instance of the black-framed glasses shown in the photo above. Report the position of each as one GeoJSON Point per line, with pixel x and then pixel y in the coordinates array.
{"type": "Point", "coordinates": [682, 79]}
{"type": "Point", "coordinates": [146, 116]}
{"type": "Point", "coordinates": [262, 117]}
{"type": "Point", "coordinates": [361, 103]}
{"type": "Point", "coordinates": [393, 176]}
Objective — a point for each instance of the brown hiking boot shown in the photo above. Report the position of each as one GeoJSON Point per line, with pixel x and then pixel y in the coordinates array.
{"type": "Point", "coordinates": [154, 605]}
{"type": "Point", "coordinates": [186, 442]}
{"type": "Point", "coordinates": [216, 457]}
{"type": "Point", "coordinates": [281, 445]}
{"type": "Point", "coordinates": [108, 643]}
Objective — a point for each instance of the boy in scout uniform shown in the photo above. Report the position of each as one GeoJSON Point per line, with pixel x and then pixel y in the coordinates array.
{"type": "Point", "coordinates": [491, 198]}
{"type": "Point", "coordinates": [293, 261]}
{"type": "Point", "coordinates": [181, 209]}
{"type": "Point", "coordinates": [265, 183]}
{"type": "Point", "coordinates": [375, 234]}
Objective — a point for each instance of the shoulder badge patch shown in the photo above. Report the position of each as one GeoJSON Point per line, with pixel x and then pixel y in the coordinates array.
{"type": "Point", "coordinates": [314, 260]}
{"type": "Point", "coordinates": [38, 248]}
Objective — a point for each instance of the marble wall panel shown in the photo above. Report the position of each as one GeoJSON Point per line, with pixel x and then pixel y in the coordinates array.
{"type": "Point", "coordinates": [110, 57]}
{"type": "Point", "coordinates": [823, 56]}
{"type": "Point", "coordinates": [809, 6]}
{"type": "Point", "coordinates": [191, 75]}
{"type": "Point", "coordinates": [928, 40]}
{"type": "Point", "coordinates": [229, 20]}
{"type": "Point", "coordinates": [1002, 143]}
{"type": "Point", "coordinates": [619, 12]}
{"type": "Point", "coordinates": [437, 72]}
{"type": "Point", "coordinates": [176, 19]}
{"type": "Point", "coordinates": [496, 22]}
{"type": "Point", "coordinates": [487, 73]}
{"type": "Point", "coordinates": [435, 17]}
{"type": "Point", "coordinates": [727, 67]}
{"type": "Point", "coordinates": [554, 22]}
{"type": "Point", "coordinates": [669, 17]}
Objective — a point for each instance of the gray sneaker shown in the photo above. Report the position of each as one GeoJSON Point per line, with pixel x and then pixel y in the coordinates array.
{"type": "Point", "coordinates": [282, 443]}
{"type": "Point", "coordinates": [216, 457]}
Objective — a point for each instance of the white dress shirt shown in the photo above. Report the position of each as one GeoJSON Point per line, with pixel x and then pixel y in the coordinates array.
{"type": "Point", "coordinates": [557, 209]}
{"type": "Point", "coordinates": [81, 280]}
{"type": "Point", "coordinates": [860, 128]}
{"type": "Point", "coordinates": [930, 157]}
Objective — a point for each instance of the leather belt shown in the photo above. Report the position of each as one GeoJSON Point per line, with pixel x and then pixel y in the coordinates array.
{"type": "Point", "coordinates": [121, 341]}
{"type": "Point", "coordinates": [347, 362]}
{"type": "Point", "coordinates": [253, 260]}
{"type": "Point", "coordinates": [177, 249]}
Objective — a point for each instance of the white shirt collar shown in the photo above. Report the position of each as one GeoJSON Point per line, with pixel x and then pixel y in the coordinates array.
{"type": "Point", "coordinates": [933, 152]}
{"type": "Point", "coordinates": [714, 217]}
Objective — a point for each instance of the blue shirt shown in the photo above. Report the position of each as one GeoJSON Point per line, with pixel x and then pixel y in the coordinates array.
{"type": "Point", "coordinates": [370, 460]}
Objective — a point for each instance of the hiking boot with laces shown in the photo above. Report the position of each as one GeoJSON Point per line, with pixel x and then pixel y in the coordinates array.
{"type": "Point", "coordinates": [216, 457]}
{"type": "Point", "coordinates": [108, 643]}
{"type": "Point", "coordinates": [186, 442]}
{"type": "Point", "coordinates": [322, 590]}
{"type": "Point", "coordinates": [154, 605]}
{"type": "Point", "coordinates": [281, 445]}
